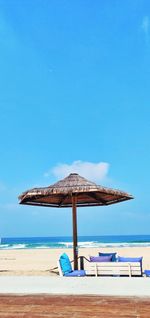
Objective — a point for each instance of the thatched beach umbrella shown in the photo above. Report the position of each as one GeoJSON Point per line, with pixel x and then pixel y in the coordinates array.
{"type": "Point", "coordinates": [74, 191]}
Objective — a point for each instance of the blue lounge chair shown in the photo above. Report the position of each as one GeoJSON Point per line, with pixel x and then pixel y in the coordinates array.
{"type": "Point", "coordinates": [65, 268]}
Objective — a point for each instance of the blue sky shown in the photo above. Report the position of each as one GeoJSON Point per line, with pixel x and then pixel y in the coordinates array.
{"type": "Point", "coordinates": [74, 96]}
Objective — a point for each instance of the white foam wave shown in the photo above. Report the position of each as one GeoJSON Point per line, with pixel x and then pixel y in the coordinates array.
{"type": "Point", "coordinates": [4, 246]}
{"type": "Point", "coordinates": [14, 246]}
{"type": "Point", "coordinates": [108, 244]}
{"type": "Point", "coordinates": [42, 246]}
{"type": "Point", "coordinates": [80, 244]}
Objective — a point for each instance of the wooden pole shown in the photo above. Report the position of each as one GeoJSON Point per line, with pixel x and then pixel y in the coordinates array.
{"type": "Point", "coordinates": [74, 221]}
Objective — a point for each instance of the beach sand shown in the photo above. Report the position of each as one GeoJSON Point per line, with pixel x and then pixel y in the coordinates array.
{"type": "Point", "coordinates": [40, 261]}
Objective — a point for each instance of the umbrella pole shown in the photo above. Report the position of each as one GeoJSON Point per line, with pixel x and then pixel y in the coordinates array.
{"type": "Point", "coordinates": [75, 243]}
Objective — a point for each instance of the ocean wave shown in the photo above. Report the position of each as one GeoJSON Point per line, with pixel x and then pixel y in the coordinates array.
{"type": "Point", "coordinates": [12, 246]}
{"type": "Point", "coordinates": [80, 244]}
{"type": "Point", "coordinates": [100, 244]}
{"type": "Point", "coordinates": [42, 246]}
{"type": "Point", "coordinates": [4, 246]}
{"type": "Point", "coordinates": [69, 244]}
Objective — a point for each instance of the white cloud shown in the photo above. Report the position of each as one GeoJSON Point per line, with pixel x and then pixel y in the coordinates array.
{"type": "Point", "coordinates": [93, 171]}
{"type": "Point", "coordinates": [146, 27]}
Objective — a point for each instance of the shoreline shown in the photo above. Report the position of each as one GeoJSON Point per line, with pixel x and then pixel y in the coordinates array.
{"type": "Point", "coordinates": [40, 261]}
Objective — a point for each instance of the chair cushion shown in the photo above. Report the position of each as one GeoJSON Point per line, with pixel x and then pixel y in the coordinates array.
{"type": "Point", "coordinates": [65, 264]}
{"type": "Point", "coordinates": [114, 257]}
{"type": "Point", "coordinates": [147, 272]}
{"type": "Point", "coordinates": [130, 259]}
{"type": "Point", "coordinates": [76, 273]}
{"type": "Point", "coordinates": [100, 258]}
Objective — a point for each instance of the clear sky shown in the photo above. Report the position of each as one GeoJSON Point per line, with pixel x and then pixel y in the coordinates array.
{"type": "Point", "coordinates": [74, 97]}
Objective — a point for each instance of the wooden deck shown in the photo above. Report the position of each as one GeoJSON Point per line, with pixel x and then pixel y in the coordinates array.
{"type": "Point", "coordinates": [46, 306]}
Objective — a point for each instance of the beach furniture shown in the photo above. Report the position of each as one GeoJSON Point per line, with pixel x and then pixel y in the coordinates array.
{"type": "Point", "coordinates": [104, 266]}
{"type": "Point", "coordinates": [132, 260]}
{"type": "Point", "coordinates": [65, 267]}
{"type": "Point", "coordinates": [113, 269]}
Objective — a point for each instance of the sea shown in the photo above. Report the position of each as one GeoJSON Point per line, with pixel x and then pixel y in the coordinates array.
{"type": "Point", "coordinates": [66, 241]}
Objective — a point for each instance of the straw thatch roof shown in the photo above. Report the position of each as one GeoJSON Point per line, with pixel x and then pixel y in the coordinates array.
{"type": "Point", "coordinates": [60, 194]}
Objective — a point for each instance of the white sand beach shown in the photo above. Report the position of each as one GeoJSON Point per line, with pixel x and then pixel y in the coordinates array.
{"type": "Point", "coordinates": [40, 261]}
